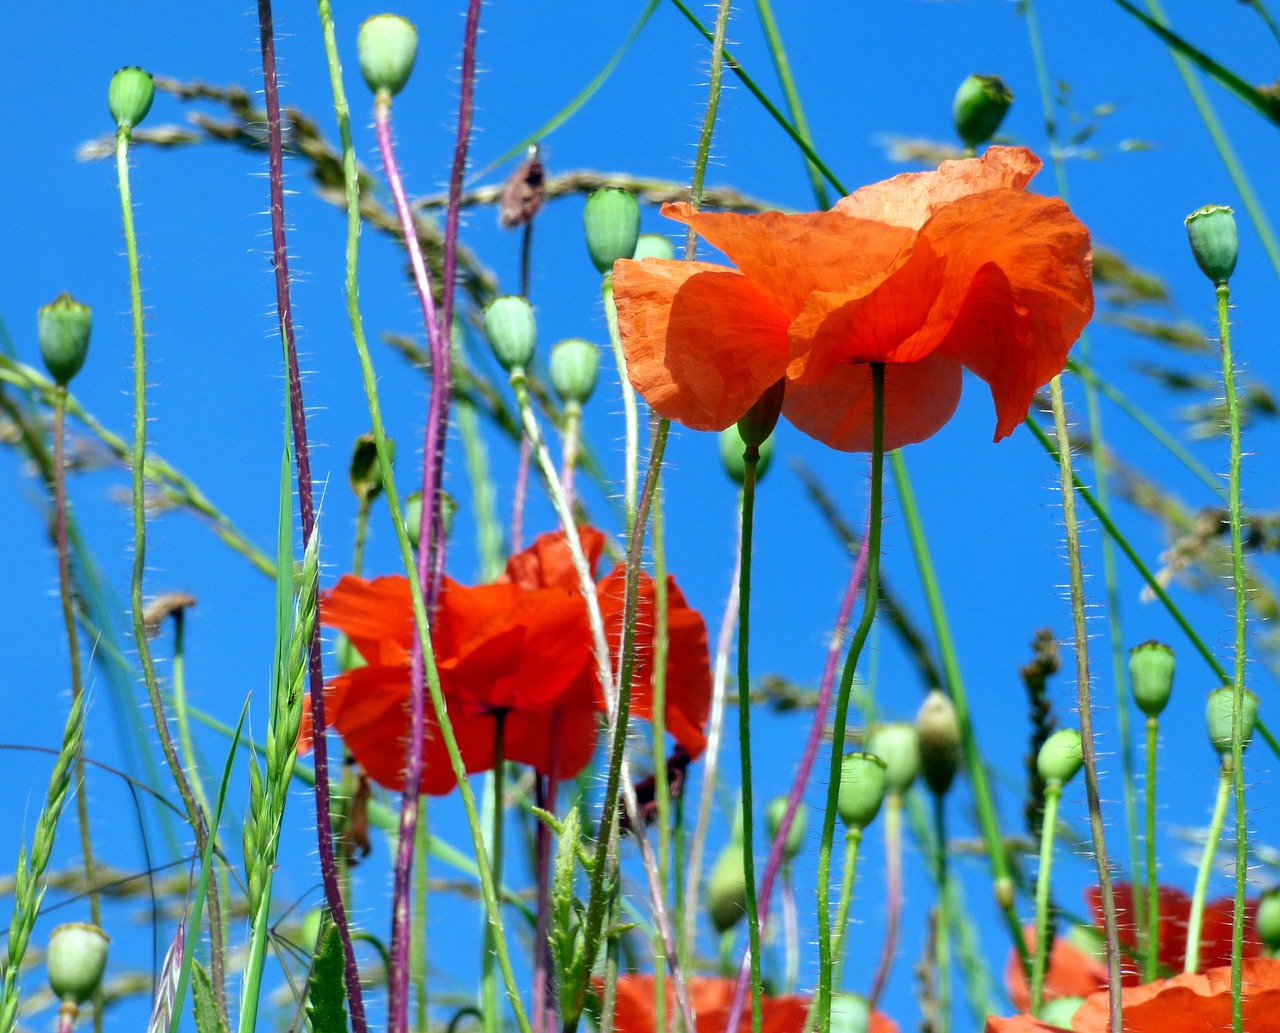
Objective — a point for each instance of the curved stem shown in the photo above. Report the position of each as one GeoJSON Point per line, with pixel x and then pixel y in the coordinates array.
{"type": "Point", "coordinates": [488, 980]}
{"type": "Point", "coordinates": [1196, 920]}
{"type": "Point", "coordinates": [1048, 829]}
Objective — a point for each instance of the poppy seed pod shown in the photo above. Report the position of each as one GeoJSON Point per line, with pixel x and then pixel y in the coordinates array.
{"type": "Point", "coordinates": [365, 472]}
{"type": "Point", "coordinates": [129, 96]}
{"type": "Point", "coordinates": [1151, 676]}
{"type": "Point", "coordinates": [654, 245]}
{"type": "Point", "coordinates": [387, 47]}
{"type": "Point", "coordinates": [1211, 231]}
{"type": "Point", "coordinates": [897, 746]}
{"type": "Point", "coordinates": [76, 959]}
{"type": "Point", "coordinates": [727, 889]}
{"type": "Point", "coordinates": [63, 327]}
{"type": "Point", "coordinates": [938, 734]}
{"type": "Point", "coordinates": [731, 456]}
{"type": "Point", "coordinates": [979, 107]}
{"type": "Point", "coordinates": [575, 364]}
{"type": "Point", "coordinates": [611, 220]}
{"type": "Point", "coordinates": [512, 329]}
{"type": "Point", "coordinates": [773, 816]}
{"type": "Point", "coordinates": [758, 422]}
{"type": "Point", "coordinates": [1218, 713]}
{"type": "Point", "coordinates": [863, 780]}
{"type": "Point", "coordinates": [1061, 756]}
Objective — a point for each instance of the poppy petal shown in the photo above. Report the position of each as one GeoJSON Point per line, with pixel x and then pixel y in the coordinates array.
{"type": "Point", "coordinates": [547, 563]}
{"type": "Point", "coordinates": [919, 398]}
{"type": "Point", "coordinates": [377, 616]}
{"type": "Point", "coordinates": [702, 343]}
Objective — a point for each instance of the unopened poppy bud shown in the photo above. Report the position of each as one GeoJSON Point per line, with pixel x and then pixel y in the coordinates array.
{"type": "Point", "coordinates": [1151, 676]}
{"type": "Point", "coordinates": [1266, 921]}
{"type": "Point", "coordinates": [896, 744]}
{"type": "Point", "coordinates": [731, 456]}
{"type": "Point", "coordinates": [76, 959]}
{"type": "Point", "coordinates": [1219, 712]}
{"type": "Point", "coordinates": [575, 364]}
{"type": "Point", "coordinates": [1004, 892]}
{"type": "Point", "coordinates": [863, 781]}
{"type": "Point", "coordinates": [365, 473]}
{"type": "Point", "coordinates": [612, 223]}
{"type": "Point", "coordinates": [1214, 244]}
{"type": "Point", "coordinates": [413, 516]}
{"type": "Point", "coordinates": [850, 1013]}
{"type": "Point", "coordinates": [387, 47]}
{"type": "Point", "coordinates": [773, 816]}
{"type": "Point", "coordinates": [1060, 1011]}
{"type": "Point", "coordinates": [63, 328]}
{"type": "Point", "coordinates": [938, 733]}
{"type": "Point", "coordinates": [757, 423]}
{"type": "Point", "coordinates": [347, 655]}
{"type": "Point", "coordinates": [1061, 756]}
{"type": "Point", "coordinates": [727, 889]}
{"type": "Point", "coordinates": [512, 329]}
{"type": "Point", "coordinates": [129, 96]}
{"type": "Point", "coordinates": [653, 245]}
{"type": "Point", "coordinates": [979, 108]}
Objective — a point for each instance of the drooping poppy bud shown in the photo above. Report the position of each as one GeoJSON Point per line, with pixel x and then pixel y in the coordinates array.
{"type": "Point", "coordinates": [575, 364]}
{"type": "Point", "coordinates": [63, 327]}
{"type": "Point", "coordinates": [938, 733]}
{"type": "Point", "coordinates": [1061, 756]}
{"type": "Point", "coordinates": [1211, 231]}
{"type": "Point", "coordinates": [863, 782]}
{"type": "Point", "coordinates": [654, 245]}
{"type": "Point", "coordinates": [897, 746]}
{"type": "Point", "coordinates": [979, 108]}
{"type": "Point", "coordinates": [512, 329]}
{"type": "Point", "coordinates": [1151, 676]}
{"type": "Point", "coordinates": [365, 472]}
{"type": "Point", "coordinates": [727, 889]}
{"type": "Point", "coordinates": [611, 220]}
{"type": "Point", "coordinates": [1219, 712]}
{"type": "Point", "coordinates": [773, 816]}
{"type": "Point", "coordinates": [76, 959]}
{"type": "Point", "coordinates": [129, 96]}
{"type": "Point", "coordinates": [757, 423]}
{"type": "Point", "coordinates": [731, 456]}
{"type": "Point", "coordinates": [387, 46]}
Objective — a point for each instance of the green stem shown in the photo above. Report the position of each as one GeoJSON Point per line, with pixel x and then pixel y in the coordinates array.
{"type": "Point", "coordinates": [630, 418]}
{"type": "Point", "coordinates": [361, 534]}
{"type": "Point", "coordinates": [1196, 919]}
{"type": "Point", "coordinates": [893, 894]}
{"type": "Point", "coordinates": [658, 721]}
{"type": "Point", "coordinates": [865, 621]}
{"type": "Point", "coordinates": [1151, 962]}
{"type": "Point", "coordinates": [1048, 829]}
{"type": "Point", "coordinates": [1240, 585]}
{"type": "Point", "coordinates": [852, 841]}
{"type": "Point", "coordinates": [488, 982]}
{"type": "Point", "coordinates": [942, 919]}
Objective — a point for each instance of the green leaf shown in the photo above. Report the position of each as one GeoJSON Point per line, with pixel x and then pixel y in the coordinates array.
{"type": "Point", "coordinates": [327, 1004]}
{"type": "Point", "coordinates": [207, 1018]}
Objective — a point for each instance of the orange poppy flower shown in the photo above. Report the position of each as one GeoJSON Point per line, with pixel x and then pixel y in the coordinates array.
{"type": "Point", "coordinates": [520, 647]}
{"type": "Point", "coordinates": [710, 998]}
{"type": "Point", "coordinates": [929, 273]}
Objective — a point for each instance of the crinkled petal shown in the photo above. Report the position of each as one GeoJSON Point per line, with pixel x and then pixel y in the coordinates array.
{"type": "Point", "coordinates": [911, 199]}
{"type": "Point", "coordinates": [919, 398]}
{"type": "Point", "coordinates": [701, 342]}
{"type": "Point", "coordinates": [377, 616]}
{"type": "Point", "coordinates": [788, 257]}
{"type": "Point", "coordinates": [547, 563]}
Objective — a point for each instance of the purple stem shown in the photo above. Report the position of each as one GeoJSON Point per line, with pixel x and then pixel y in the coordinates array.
{"type": "Point", "coordinates": [774, 861]}
{"type": "Point", "coordinates": [306, 507]}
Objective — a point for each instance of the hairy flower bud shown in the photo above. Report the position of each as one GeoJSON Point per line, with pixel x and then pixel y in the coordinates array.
{"type": "Point", "coordinates": [611, 220]}
{"type": "Point", "coordinates": [897, 746]}
{"type": "Point", "coordinates": [653, 245]}
{"type": "Point", "coordinates": [575, 364]}
{"type": "Point", "coordinates": [63, 327]}
{"type": "Point", "coordinates": [773, 816]}
{"type": "Point", "coordinates": [129, 96]}
{"type": "Point", "coordinates": [512, 329]}
{"type": "Point", "coordinates": [1061, 756]}
{"type": "Point", "coordinates": [76, 959]}
{"type": "Point", "coordinates": [727, 889]}
{"type": "Point", "coordinates": [1211, 231]}
{"type": "Point", "coordinates": [1219, 712]}
{"type": "Point", "coordinates": [387, 46]}
{"type": "Point", "coordinates": [979, 108]}
{"type": "Point", "coordinates": [863, 782]}
{"type": "Point", "coordinates": [1151, 676]}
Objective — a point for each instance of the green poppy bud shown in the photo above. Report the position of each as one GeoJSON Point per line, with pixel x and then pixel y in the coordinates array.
{"type": "Point", "coordinates": [654, 245]}
{"type": "Point", "coordinates": [897, 745]}
{"type": "Point", "coordinates": [76, 959]}
{"type": "Point", "coordinates": [731, 456]}
{"type": "Point", "coordinates": [575, 364]}
{"type": "Point", "coordinates": [863, 781]}
{"type": "Point", "coordinates": [1266, 922]}
{"type": "Point", "coordinates": [1060, 1011]}
{"type": "Point", "coordinates": [1219, 712]}
{"type": "Point", "coordinates": [850, 1013]}
{"type": "Point", "coordinates": [979, 108]}
{"type": "Point", "coordinates": [1214, 244]}
{"type": "Point", "coordinates": [938, 733]}
{"type": "Point", "coordinates": [773, 816]}
{"type": "Point", "coordinates": [1004, 892]}
{"type": "Point", "coordinates": [1151, 676]}
{"type": "Point", "coordinates": [129, 96]}
{"type": "Point", "coordinates": [757, 423]}
{"type": "Point", "coordinates": [612, 223]}
{"type": "Point", "coordinates": [365, 473]}
{"type": "Point", "coordinates": [413, 516]}
{"type": "Point", "coordinates": [387, 47]}
{"type": "Point", "coordinates": [1061, 756]}
{"type": "Point", "coordinates": [727, 889]}
{"type": "Point", "coordinates": [512, 329]}
{"type": "Point", "coordinates": [347, 655]}
{"type": "Point", "coordinates": [63, 328]}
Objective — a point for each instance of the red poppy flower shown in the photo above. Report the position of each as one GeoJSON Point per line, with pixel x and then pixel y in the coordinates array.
{"type": "Point", "coordinates": [520, 648]}
{"type": "Point", "coordinates": [710, 998]}
{"type": "Point", "coordinates": [929, 273]}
